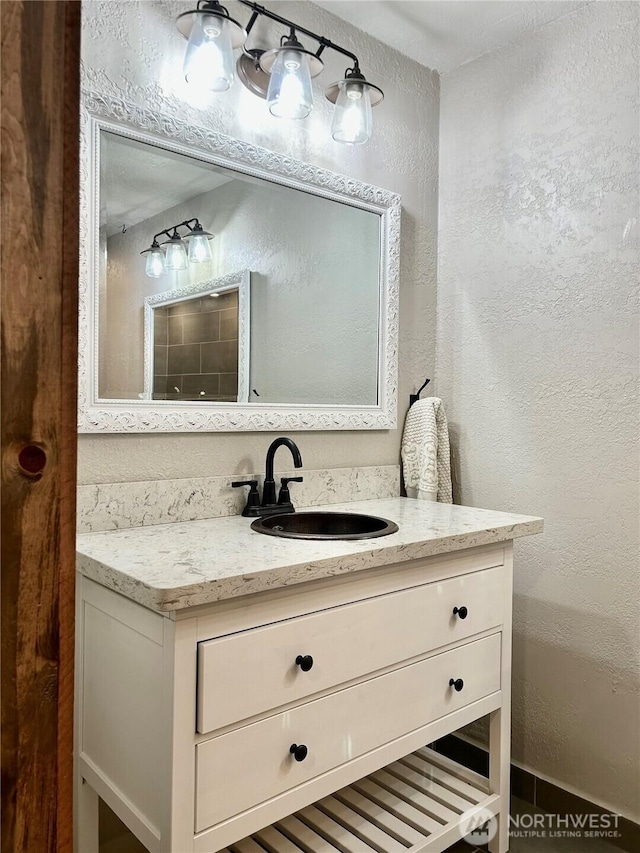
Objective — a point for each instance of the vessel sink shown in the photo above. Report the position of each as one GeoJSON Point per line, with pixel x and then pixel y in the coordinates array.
{"type": "Point", "coordinates": [324, 525]}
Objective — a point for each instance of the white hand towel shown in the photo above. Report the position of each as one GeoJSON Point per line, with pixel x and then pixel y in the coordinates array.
{"type": "Point", "coordinates": [426, 462]}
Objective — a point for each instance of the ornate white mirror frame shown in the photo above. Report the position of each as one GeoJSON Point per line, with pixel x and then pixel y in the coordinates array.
{"type": "Point", "coordinates": [136, 416]}
{"type": "Point", "coordinates": [241, 282]}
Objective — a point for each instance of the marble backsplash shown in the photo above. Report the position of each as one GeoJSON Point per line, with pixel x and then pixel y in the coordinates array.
{"type": "Point", "coordinates": [115, 506]}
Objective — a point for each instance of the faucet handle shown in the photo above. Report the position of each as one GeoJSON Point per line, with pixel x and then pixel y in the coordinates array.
{"type": "Point", "coordinates": [238, 483]}
{"type": "Point", "coordinates": [284, 497]}
{"type": "Point", "coordinates": [253, 498]}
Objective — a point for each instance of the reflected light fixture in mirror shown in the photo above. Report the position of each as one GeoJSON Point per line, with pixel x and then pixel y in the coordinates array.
{"type": "Point", "coordinates": [155, 260]}
{"type": "Point", "coordinates": [175, 255]}
{"type": "Point", "coordinates": [172, 254]}
{"type": "Point", "coordinates": [199, 245]}
{"type": "Point", "coordinates": [282, 75]}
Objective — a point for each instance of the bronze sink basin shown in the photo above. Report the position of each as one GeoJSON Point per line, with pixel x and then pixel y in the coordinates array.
{"type": "Point", "coordinates": [324, 525]}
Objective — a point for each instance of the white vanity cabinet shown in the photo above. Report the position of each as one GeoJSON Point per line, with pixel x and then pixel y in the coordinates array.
{"type": "Point", "coordinates": [297, 718]}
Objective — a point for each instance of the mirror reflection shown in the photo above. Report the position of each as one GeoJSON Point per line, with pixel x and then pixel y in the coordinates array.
{"type": "Point", "coordinates": [174, 228]}
{"type": "Point", "coordinates": [196, 350]}
{"type": "Point", "coordinates": [196, 342]}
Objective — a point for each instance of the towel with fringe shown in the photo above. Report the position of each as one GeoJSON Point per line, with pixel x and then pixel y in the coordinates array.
{"type": "Point", "coordinates": [426, 461]}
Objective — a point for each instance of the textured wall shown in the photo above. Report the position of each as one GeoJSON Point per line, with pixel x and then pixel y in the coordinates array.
{"type": "Point", "coordinates": [132, 49]}
{"type": "Point", "coordinates": [314, 300]}
{"type": "Point", "coordinates": [537, 360]}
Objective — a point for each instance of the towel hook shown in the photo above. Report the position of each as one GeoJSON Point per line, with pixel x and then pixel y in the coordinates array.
{"type": "Point", "coordinates": [413, 398]}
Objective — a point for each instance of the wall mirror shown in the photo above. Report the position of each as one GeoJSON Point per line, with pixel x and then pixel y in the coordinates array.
{"type": "Point", "coordinates": [225, 287]}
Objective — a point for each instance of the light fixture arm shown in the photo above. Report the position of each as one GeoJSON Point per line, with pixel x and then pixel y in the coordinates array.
{"type": "Point", "coordinates": [254, 17]}
{"type": "Point", "coordinates": [322, 41]}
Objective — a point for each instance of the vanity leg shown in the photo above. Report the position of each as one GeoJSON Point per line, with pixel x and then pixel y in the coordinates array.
{"type": "Point", "coordinates": [499, 774]}
{"type": "Point", "coordinates": [87, 840]}
{"type": "Point", "coordinates": [500, 720]}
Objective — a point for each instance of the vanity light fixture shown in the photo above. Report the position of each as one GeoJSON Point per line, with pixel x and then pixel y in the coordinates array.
{"type": "Point", "coordinates": [354, 97]}
{"type": "Point", "coordinates": [282, 75]}
{"type": "Point", "coordinates": [172, 254]}
{"type": "Point", "coordinates": [212, 36]}
{"type": "Point", "coordinates": [290, 68]}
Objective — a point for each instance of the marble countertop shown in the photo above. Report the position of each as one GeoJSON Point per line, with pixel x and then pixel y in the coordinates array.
{"type": "Point", "coordinates": [173, 566]}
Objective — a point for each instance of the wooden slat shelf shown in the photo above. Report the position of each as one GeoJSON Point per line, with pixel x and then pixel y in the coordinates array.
{"type": "Point", "coordinates": [415, 805]}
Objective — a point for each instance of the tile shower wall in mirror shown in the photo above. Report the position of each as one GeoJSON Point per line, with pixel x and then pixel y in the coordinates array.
{"type": "Point", "coordinates": [315, 294]}
{"type": "Point", "coordinates": [196, 349]}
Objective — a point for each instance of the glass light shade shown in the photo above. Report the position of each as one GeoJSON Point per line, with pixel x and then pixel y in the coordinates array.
{"type": "Point", "coordinates": [155, 263]}
{"type": "Point", "coordinates": [176, 257]}
{"type": "Point", "coordinates": [289, 94]}
{"type": "Point", "coordinates": [199, 249]}
{"type": "Point", "coordinates": [352, 116]}
{"type": "Point", "coordinates": [208, 61]}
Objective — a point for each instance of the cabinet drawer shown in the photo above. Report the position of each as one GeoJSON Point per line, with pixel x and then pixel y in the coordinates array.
{"type": "Point", "coordinates": [251, 764]}
{"type": "Point", "coordinates": [245, 674]}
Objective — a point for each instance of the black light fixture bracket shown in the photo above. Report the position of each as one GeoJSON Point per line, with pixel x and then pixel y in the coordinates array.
{"type": "Point", "coordinates": [184, 21]}
{"type": "Point", "coordinates": [324, 43]}
{"type": "Point", "coordinates": [212, 6]}
{"type": "Point", "coordinates": [172, 231]}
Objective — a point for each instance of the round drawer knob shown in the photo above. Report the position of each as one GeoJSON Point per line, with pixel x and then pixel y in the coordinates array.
{"type": "Point", "coordinates": [299, 751]}
{"type": "Point", "coordinates": [456, 683]}
{"type": "Point", "coordinates": [305, 662]}
{"type": "Point", "coordinates": [461, 612]}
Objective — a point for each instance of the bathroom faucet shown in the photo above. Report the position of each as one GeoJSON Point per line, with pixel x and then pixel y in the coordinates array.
{"type": "Point", "coordinates": [269, 488]}
{"type": "Point", "coordinates": [269, 505]}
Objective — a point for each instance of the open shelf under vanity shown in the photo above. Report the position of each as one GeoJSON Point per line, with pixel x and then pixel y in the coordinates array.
{"type": "Point", "coordinates": [415, 805]}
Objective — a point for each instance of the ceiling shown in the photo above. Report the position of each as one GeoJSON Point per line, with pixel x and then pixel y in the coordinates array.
{"type": "Point", "coordinates": [139, 181]}
{"type": "Point", "coordinates": [443, 34]}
